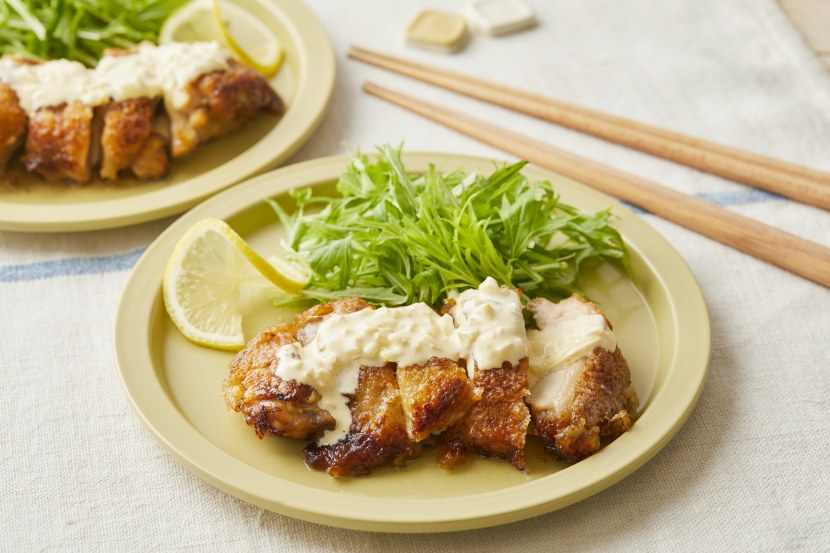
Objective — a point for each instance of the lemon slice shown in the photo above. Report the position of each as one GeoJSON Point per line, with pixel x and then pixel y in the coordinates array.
{"type": "Point", "coordinates": [295, 271]}
{"type": "Point", "coordinates": [248, 37]}
{"type": "Point", "coordinates": [193, 22]}
{"type": "Point", "coordinates": [202, 282]}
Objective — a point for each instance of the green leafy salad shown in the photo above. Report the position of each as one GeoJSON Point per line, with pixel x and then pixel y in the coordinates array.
{"type": "Point", "coordinates": [79, 30]}
{"type": "Point", "coordinates": [393, 238]}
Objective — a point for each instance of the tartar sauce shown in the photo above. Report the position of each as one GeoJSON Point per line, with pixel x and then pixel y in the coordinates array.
{"type": "Point", "coordinates": [149, 71]}
{"type": "Point", "coordinates": [486, 329]}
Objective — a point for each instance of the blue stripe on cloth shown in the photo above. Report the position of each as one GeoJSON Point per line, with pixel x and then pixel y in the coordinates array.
{"type": "Point", "coordinates": [124, 262]}
{"type": "Point", "coordinates": [725, 199]}
{"type": "Point", "coordinates": [72, 266]}
{"type": "Point", "coordinates": [748, 196]}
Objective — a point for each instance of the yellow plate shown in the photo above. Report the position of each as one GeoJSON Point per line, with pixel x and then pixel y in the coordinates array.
{"type": "Point", "coordinates": [305, 83]}
{"type": "Point", "coordinates": [662, 326]}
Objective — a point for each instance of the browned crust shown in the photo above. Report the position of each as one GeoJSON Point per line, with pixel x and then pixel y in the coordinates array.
{"type": "Point", "coordinates": [377, 435]}
{"type": "Point", "coordinates": [127, 127]}
{"type": "Point", "coordinates": [270, 404]}
{"type": "Point", "coordinates": [63, 141]}
{"type": "Point", "coordinates": [12, 125]}
{"type": "Point", "coordinates": [603, 405]}
{"type": "Point", "coordinates": [497, 424]}
{"type": "Point", "coordinates": [58, 142]}
{"type": "Point", "coordinates": [219, 103]}
{"type": "Point", "coordinates": [394, 410]}
{"type": "Point", "coordinates": [434, 396]}
{"type": "Point", "coordinates": [152, 161]}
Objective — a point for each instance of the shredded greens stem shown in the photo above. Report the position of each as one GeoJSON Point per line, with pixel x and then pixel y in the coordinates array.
{"type": "Point", "coordinates": [79, 30]}
{"type": "Point", "coordinates": [394, 239]}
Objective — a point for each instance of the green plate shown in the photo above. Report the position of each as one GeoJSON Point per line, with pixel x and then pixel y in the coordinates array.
{"type": "Point", "coordinates": [660, 319]}
{"type": "Point", "coordinates": [305, 82]}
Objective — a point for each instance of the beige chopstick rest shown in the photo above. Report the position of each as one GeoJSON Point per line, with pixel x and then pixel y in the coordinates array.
{"type": "Point", "coordinates": [438, 30]}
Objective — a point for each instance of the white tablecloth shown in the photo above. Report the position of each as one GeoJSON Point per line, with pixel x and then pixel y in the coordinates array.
{"type": "Point", "coordinates": [748, 471]}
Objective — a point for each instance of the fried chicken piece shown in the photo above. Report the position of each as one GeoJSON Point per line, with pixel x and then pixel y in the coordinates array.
{"type": "Point", "coordinates": [128, 140]}
{"type": "Point", "coordinates": [434, 396]}
{"type": "Point", "coordinates": [584, 397]}
{"type": "Point", "coordinates": [12, 125]}
{"type": "Point", "coordinates": [152, 161]}
{"type": "Point", "coordinates": [497, 424]}
{"type": "Point", "coordinates": [58, 143]}
{"type": "Point", "coordinates": [220, 102]}
{"type": "Point", "coordinates": [377, 435]}
{"type": "Point", "coordinates": [63, 140]}
{"type": "Point", "coordinates": [270, 404]}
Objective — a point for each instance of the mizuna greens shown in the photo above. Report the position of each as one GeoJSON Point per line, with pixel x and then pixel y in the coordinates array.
{"type": "Point", "coordinates": [396, 239]}
{"type": "Point", "coordinates": [79, 29]}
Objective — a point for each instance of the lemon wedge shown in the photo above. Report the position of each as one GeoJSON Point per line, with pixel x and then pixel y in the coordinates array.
{"type": "Point", "coordinates": [203, 278]}
{"type": "Point", "coordinates": [246, 36]}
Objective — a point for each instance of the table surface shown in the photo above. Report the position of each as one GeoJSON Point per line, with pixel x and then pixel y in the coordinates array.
{"type": "Point", "coordinates": [812, 19]}
{"type": "Point", "coordinates": [748, 470]}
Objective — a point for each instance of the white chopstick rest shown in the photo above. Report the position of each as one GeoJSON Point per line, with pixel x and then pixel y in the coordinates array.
{"type": "Point", "coordinates": [500, 17]}
{"type": "Point", "coordinates": [438, 30]}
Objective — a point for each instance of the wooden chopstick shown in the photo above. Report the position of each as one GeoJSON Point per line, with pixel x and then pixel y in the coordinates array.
{"type": "Point", "coordinates": [786, 179]}
{"type": "Point", "coordinates": [775, 246]}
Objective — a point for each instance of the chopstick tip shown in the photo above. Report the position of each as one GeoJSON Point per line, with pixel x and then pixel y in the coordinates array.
{"type": "Point", "coordinates": [357, 52]}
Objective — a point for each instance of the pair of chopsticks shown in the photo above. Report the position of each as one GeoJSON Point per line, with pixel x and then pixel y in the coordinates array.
{"type": "Point", "coordinates": [780, 248]}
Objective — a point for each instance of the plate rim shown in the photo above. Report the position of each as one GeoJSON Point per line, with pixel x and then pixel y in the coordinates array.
{"type": "Point", "coordinates": [311, 98]}
{"type": "Point", "coordinates": [552, 492]}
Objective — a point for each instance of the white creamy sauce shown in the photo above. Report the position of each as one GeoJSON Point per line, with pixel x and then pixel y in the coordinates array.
{"type": "Point", "coordinates": [552, 352]}
{"type": "Point", "coordinates": [149, 71]}
{"type": "Point", "coordinates": [487, 329]}
{"type": "Point", "coordinates": [490, 325]}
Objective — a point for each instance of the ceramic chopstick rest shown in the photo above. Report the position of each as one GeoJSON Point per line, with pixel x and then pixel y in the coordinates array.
{"type": "Point", "coordinates": [500, 17]}
{"type": "Point", "coordinates": [438, 30]}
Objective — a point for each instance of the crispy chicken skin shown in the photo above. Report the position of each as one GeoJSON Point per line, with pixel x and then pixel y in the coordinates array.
{"type": "Point", "coordinates": [128, 140]}
{"type": "Point", "coordinates": [285, 408]}
{"type": "Point", "coordinates": [74, 142]}
{"type": "Point", "coordinates": [603, 401]}
{"type": "Point", "coordinates": [12, 125]}
{"type": "Point", "coordinates": [387, 424]}
{"type": "Point", "coordinates": [377, 435]}
{"type": "Point", "coordinates": [58, 142]}
{"type": "Point", "coordinates": [434, 396]}
{"type": "Point", "coordinates": [270, 404]}
{"type": "Point", "coordinates": [152, 160]}
{"type": "Point", "coordinates": [219, 103]}
{"type": "Point", "coordinates": [397, 409]}
{"type": "Point", "coordinates": [394, 409]}
{"type": "Point", "coordinates": [497, 424]}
